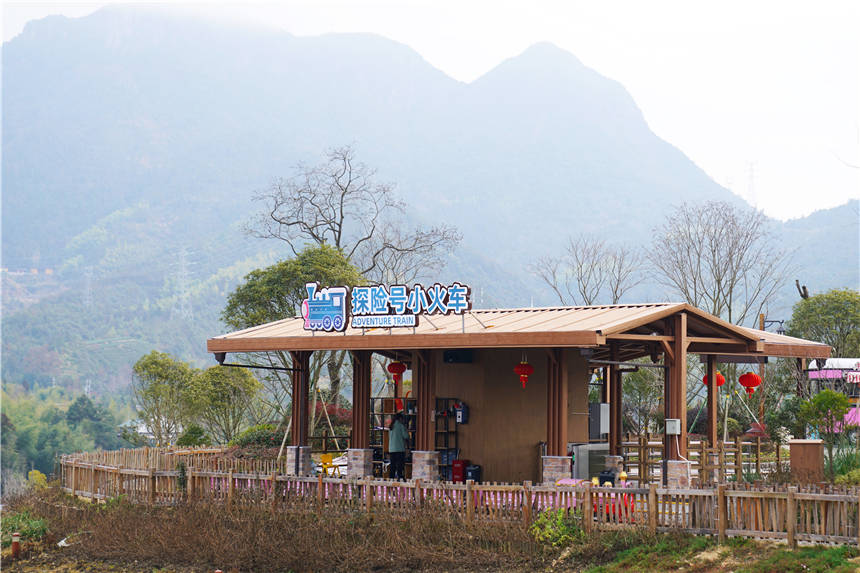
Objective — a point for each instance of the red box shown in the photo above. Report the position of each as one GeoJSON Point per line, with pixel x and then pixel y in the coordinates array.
{"type": "Point", "coordinates": [458, 471]}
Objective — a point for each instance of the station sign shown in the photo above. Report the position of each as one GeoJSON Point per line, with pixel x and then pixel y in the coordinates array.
{"type": "Point", "coordinates": [330, 309]}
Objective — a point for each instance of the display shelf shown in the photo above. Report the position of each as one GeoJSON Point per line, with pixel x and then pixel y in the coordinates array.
{"type": "Point", "coordinates": [382, 411]}
{"type": "Point", "coordinates": [445, 436]}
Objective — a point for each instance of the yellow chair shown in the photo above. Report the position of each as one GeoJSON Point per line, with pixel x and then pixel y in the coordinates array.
{"type": "Point", "coordinates": [326, 465]}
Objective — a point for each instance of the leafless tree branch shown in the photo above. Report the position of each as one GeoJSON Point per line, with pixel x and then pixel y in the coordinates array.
{"type": "Point", "coordinates": [340, 203]}
{"type": "Point", "coordinates": [720, 258]}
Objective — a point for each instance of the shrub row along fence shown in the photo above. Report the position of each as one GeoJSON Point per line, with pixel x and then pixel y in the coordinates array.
{"type": "Point", "coordinates": [711, 464]}
{"type": "Point", "coordinates": [810, 514]}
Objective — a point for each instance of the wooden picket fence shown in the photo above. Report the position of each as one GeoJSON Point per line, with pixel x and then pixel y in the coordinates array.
{"type": "Point", "coordinates": [711, 464]}
{"type": "Point", "coordinates": [819, 514]}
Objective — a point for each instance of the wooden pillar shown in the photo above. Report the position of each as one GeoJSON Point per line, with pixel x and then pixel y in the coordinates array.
{"type": "Point", "coordinates": [604, 390]}
{"type": "Point", "coordinates": [361, 364]}
{"type": "Point", "coordinates": [675, 392]}
{"type": "Point", "coordinates": [556, 403]}
{"type": "Point", "coordinates": [713, 399]}
{"type": "Point", "coordinates": [301, 383]}
{"type": "Point", "coordinates": [424, 387]}
{"type": "Point", "coordinates": [614, 403]}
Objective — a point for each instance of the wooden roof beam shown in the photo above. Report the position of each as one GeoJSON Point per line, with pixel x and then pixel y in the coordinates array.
{"type": "Point", "coordinates": [640, 337]}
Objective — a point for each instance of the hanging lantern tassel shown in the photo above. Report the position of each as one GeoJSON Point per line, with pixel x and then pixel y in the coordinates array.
{"type": "Point", "coordinates": [397, 369]}
{"type": "Point", "coordinates": [750, 381]}
{"type": "Point", "coordinates": [524, 370]}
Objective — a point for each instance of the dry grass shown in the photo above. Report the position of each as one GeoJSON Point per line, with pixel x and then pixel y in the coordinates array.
{"type": "Point", "coordinates": [298, 537]}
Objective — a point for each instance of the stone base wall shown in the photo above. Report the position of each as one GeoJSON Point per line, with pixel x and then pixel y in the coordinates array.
{"type": "Point", "coordinates": [306, 467]}
{"type": "Point", "coordinates": [555, 468]}
{"type": "Point", "coordinates": [425, 465]}
{"type": "Point", "coordinates": [359, 463]}
{"type": "Point", "coordinates": [677, 474]}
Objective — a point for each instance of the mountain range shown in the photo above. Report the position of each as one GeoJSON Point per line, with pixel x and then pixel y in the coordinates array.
{"type": "Point", "coordinates": [134, 139]}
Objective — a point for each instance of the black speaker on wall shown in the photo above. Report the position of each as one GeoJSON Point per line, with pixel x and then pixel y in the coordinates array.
{"type": "Point", "coordinates": [457, 356]}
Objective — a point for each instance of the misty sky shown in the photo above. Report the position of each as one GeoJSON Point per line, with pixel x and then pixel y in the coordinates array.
{"type": "Point", "coordinates": [764, 96]}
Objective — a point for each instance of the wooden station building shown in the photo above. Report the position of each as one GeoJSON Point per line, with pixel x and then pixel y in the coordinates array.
{"type": "Point", "coordinates": [506, 420]}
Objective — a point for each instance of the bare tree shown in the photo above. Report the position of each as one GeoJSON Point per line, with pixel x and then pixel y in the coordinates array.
{"type": "Point", "coordinates": [720, 258]}
{"type": "Point", "coordinates": [339, 203]}
{"type": "Point", "coordinates": [590, 271]}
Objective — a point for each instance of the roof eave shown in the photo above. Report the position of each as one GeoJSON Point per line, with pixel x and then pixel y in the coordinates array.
{"type": "Point", "coordinates": [573, 339]}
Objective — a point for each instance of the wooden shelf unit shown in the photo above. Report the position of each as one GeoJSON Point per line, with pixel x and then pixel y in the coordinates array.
{"type": "Point", "coordinates": [382, 411]}
{"type": "Point", "coordinates": [446, 442]}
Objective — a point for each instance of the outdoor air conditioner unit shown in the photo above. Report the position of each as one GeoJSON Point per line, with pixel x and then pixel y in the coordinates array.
{"type": "Point", "coordinates": [673, 427]}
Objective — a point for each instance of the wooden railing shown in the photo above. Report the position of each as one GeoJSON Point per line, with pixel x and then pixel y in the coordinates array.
{"type": "Point", "coordinates": [711, 464]}
{"type": "Point", "coordinates": [811, 514]}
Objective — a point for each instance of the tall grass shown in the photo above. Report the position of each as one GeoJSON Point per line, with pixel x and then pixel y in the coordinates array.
{"type": "Point", "coordinates": [299, 536]}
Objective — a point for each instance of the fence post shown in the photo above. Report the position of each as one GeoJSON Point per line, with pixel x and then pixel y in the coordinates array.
{"type": "Point", "coordinates": [722, 512]}
{"type": "Point", "coordinates": [320, 497]}
{"type": "Point", "coordinates": [739, 460]}
{"type": "Point", "coordinates": [587, 510]}
{"type": "Point", "coordinates": [419, 493]}
{"type": "Point", "coordinates": [151, 482]}
{"type": "Point", "coordinates": [470, 501]}
{"type": "Point", "coordinates": [721, 470]}
{"type": "Point", "coordinates": [74, 478]}
{"type": "Point", "coordinates": [643, 461]}
{"type": "Point", "coordinates": [791, 517]}
{"type": "Point", "coordinates": [275, 495]}
{"type": "Point", "coordinates": [189, 485]}
{"type": "Point", "coordinates": [230, 486]}
{"type": "Point", "coordinates": [758, 455]}
{"type": "Point", "coordinates": [93, 487]}
{"type": "Point", "coordinates": [652, 507]}
{"type": "Point", "coordinates": [368, 496]}
{"type": "Point", "coordinates": [527, 503]}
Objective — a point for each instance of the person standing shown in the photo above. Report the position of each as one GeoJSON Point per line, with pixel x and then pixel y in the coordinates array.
{"type": "Point", "coordinates": [397, 446]}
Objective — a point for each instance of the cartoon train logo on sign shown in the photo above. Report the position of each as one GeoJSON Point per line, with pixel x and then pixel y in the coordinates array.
{"type": "Point", "coordinates": [325, 309]}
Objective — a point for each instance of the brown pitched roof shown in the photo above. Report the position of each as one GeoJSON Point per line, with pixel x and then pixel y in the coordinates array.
{"type": "Point", "coordinates": [633, 326]}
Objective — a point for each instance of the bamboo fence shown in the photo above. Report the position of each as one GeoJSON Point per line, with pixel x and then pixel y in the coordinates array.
{"type": "Point", "coordinates": [711, 464]}
{"type": "Point", "coordinates": [813, 513]}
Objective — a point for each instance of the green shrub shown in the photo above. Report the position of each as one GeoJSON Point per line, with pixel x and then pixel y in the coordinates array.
{"type": "Point", "coordinates": [194, 435]}
{"type": "Point", "coordinates": [30, 527]}
{"type": "Point", "coordinates": [37, 479]}
{"type": "Point", "coordinates": [556, 528]}
{"type": "Point", "coordinates": [845, 460]}
{"type": "Point", "coordinates": [850, 478]}
{"type": "Point", "coordinates": [264, 436]}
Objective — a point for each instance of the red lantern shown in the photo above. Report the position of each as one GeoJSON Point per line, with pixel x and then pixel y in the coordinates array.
{"type": "Point", "coordinates": [750, 381]}
{"type": "Point", "coordinates": [524, 370]}
{"type": "Point", "coordinates": [720, 379]}
{"type": "Point", "coordinates": [397, 369]}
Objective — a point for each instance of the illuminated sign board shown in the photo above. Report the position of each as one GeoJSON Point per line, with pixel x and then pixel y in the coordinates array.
{"type": "Point", "coordinates": [379, 306]}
